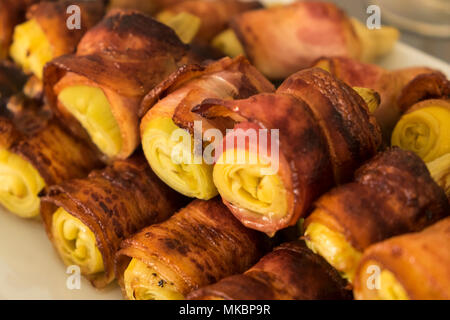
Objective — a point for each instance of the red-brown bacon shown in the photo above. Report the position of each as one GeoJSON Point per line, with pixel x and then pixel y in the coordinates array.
{"type": "Point", "coordinates": [326, 132]}
{"type": "Point", "coordinates": [290, 272]}
{"type": "Point", "coordinates": [113, 203]}
{"type": "Point", "coordinates": [399, 89]}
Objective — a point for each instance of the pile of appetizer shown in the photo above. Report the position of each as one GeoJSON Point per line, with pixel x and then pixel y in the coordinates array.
{"type": "Point", "coordinates": [90, 121]}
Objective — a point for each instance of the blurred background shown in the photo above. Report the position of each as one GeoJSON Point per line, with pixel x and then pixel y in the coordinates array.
{"type": "Point", "coordinates": [425, 24]}
{"type": "Point", "coordinates": [417, 19]}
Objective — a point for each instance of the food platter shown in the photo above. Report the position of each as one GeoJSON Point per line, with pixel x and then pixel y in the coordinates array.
{"type": "Point", "coordinates": [31, 269]}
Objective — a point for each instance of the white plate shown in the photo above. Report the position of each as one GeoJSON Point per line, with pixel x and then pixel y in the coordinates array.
{"type": "Point", "coordinates": [29, 267]}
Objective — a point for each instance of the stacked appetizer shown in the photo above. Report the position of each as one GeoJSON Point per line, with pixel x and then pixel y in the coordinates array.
{"type": "Point", "coordinates": [172, 147]}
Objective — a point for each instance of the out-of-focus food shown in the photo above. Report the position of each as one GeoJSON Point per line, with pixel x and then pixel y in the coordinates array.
{"type": "Point", "coordinates": [412, 266]}
{"type": "Point", "coordinates": [146, 6]}
{"type": "Point", "coordinates": [12, 81]}
{"type": "Point", "coordinates": [46, 35]}
{"type": "Point", "coordinates": [185, 25]}
{"type": "Point", "coordinates": [214, 15]}
{"type": "Point", "coordinates": [440, 171]}
{"type": "Point", "coordinates": [325, 133]}
{"type": "Point", "coordinates": [97, 91]}
{"type": "Point", "coordinates": [170, 106]}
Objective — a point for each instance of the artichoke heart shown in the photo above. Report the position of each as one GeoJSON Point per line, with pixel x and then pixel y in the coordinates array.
{"type": "Point", "coordinates": [143, 283]}
{"type": "Point", "coordinates": [246, 184]}
{"type": "Point", "coordinates": [193, 179]}
{"type": "Point", "coordinates": [20, 185]}
{"type": "Point", "coordinates": [334, 248]}
{"type": "Point", "coordinates": [390, 288]}
{"type": "Point", "coordinates": [184, 24]}
{"type": "Point", "coordinates": [90, 106]}
{"type": "Point", "coordinates": [228, 43]}
{"type": "Point", "coordinates": [76, 243]}
{"type": "Point", "coordinates": [371, 97]}
{"type": "Point", "coordinates": [425, 132]}
{"type": "Point", "coordinates": [31, 48]}
{"type": "Point", "coordinates": [440, 171]}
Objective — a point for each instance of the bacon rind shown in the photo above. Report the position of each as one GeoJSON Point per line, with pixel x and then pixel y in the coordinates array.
{"type": "Point", "coordinates": [398, 89]}
{"type": "Point", "coordinates": [214, 15]}
{"type": "Point", "coordinates": [305, 165]}
{"type": "Point", "coordinates": [12, 12]}
{"type": "Point", "coordinates": [238, 73]}
{"type": "Point", "coordinates": [52, 18]}
{"type": "Point", "coordinates": [352, 133]}
{"type": "Point", "coordinates": [425, 86]}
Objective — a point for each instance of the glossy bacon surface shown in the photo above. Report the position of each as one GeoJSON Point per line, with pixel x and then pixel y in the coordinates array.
{"type": "Point", "coordinates": [197, 83]}
{"type": "Point", "coordinates": [44, 143]}
{"type": "Point", "coordinates": [398, 89]}
{"type": "Point", "coordinates": [326, 132]}
{"type": "Point", "coordinates": [12, 12]}
{"type": "Point", "coordinates": [215, 15]}
{"type": "Point", "coordinates": [282, 40]}
{"type": "Point", "coordinates": [52, 18]}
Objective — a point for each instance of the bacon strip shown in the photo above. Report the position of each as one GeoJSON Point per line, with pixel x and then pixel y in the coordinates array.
{"type": "Point", "coordinates": [12, 81]}
{"type": "Point", "coordinates": [148, 7]}
{"type": "Point", "coordinates": [326, 132]}
{"type": "Point", "coordinates": [200, 244]}
{"type": "Point", "coordinates": [418, 261]}
{"type": "Point", "coordinates": [392, 194]}
{"type": "Point", "coordinates": [290, 272]}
